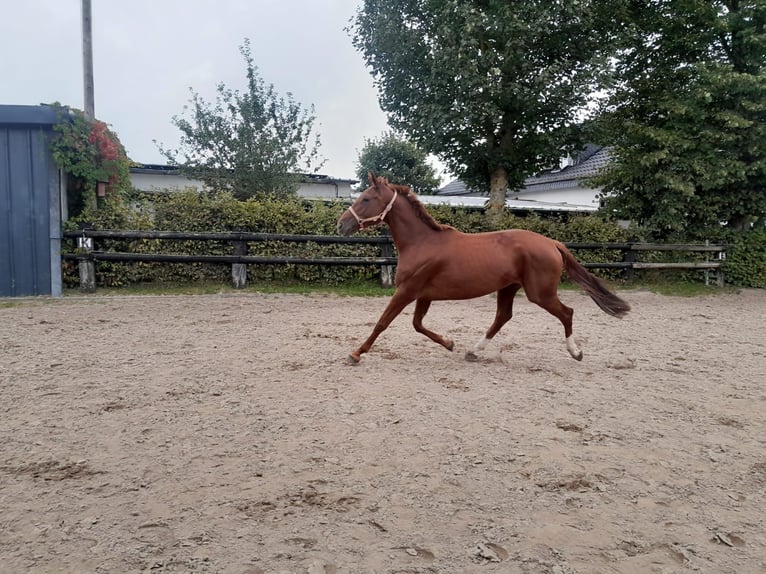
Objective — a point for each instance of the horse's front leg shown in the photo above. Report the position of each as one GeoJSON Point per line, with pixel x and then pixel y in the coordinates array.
{"type": "Point", "coordinates": [421, 308]}
{"type": "Point", "coordinates": [395, 306]}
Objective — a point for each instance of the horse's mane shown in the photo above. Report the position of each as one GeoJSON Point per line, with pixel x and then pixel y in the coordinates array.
{"type": "Point", "coordinates": [420, 210]}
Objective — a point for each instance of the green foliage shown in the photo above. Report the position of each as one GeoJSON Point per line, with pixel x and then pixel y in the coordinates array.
{"type": "Point", "coordinates": [495, 89]}
{"type": "Point", "coordinates": [250, 143]}
{"type": "Point", "coordinates": [196, 212]}
{"type": "Point", "coordinates": [745, 264]}
{"type": "Point", "coordinates": [467, 220]}
{"type": "Point", "coordinates": [88, 152]}
{"type": "Point", "coordinates": [400, 161]}
{"type": "Point", "coordinates": [687, 121]}
{"type": "Point", "coordinates": [193, 211]}
{"type": "Point", "coordinates": [113, 213]}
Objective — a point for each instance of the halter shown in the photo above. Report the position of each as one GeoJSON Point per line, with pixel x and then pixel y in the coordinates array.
{"type": "Point", "coordinates": [374, 219]}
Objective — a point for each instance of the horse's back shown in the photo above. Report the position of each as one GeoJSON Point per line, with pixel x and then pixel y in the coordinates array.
{"type": "Point", "coordinates": [512, 250]}
{"type": "Point", "coordinates": [527, 246]}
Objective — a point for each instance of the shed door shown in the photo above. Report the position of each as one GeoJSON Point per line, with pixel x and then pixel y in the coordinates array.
{"type": "Point", "coordinates": [25, 207]}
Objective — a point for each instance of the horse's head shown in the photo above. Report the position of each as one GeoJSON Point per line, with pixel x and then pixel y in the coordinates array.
{"type": "Point", "coordinates": [370, 208]}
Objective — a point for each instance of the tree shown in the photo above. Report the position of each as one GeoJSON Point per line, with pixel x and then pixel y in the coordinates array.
{"type": "Point", "coordinates": [687, 120]}
{"type": "Point", "coordinates": [398, 160]}
{"type": "Point", "coordinates": [494, 89]}
{"type": "Point", "coordinates": [248, 143]}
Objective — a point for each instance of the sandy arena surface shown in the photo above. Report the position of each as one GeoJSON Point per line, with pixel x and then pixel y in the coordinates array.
{"type": "Point", "coordinates": [226, 433]}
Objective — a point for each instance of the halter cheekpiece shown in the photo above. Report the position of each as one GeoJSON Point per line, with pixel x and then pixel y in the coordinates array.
{"type": "Point", "coordinates": [374, 219]}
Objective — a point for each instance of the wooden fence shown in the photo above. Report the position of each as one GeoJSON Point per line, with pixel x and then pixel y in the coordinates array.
{"type": "Point", "coordinates": [87, 255]}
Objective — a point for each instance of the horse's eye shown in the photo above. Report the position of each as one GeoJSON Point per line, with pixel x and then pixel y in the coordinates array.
{"type": "Point", "coordinates": [365, 199]}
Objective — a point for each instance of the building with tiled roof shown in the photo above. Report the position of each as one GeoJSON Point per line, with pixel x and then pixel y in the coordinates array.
{"type": "Point", "coordinates": [567, 186]}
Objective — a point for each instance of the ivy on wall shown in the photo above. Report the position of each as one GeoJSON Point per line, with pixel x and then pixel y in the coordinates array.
{"type": "Point", "coordinates": [92, 157]}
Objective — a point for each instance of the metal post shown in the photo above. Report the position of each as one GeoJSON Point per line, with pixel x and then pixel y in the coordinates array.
{"type": "Point", "coordinates": [87, 60]}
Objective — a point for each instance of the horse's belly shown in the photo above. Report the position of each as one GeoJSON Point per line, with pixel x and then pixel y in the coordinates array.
{"type": "Point", "coordinates": [451, 295]}
{"type": "Point", "coordinates": [468, 283]}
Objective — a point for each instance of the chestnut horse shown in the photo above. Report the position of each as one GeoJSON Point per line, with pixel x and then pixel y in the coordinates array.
{"type": "Point", "coordinates": [438, 262]}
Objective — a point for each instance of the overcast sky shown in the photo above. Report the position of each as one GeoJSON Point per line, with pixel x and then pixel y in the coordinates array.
{"type": "Point", "coordinates": [148, 53]}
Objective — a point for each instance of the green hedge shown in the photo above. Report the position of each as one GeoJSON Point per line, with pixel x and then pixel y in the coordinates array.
{"type": "Point", "coordinates": [745, 264]}
{"type": "Point", "coordinates": [193, 211]}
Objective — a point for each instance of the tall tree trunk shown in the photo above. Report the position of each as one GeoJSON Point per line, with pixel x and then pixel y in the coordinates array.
{"type": "Point", "coordinates": [498, 185]}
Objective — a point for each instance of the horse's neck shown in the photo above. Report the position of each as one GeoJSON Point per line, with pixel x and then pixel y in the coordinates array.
{"type": "Point", "coordinates": [406, 226]}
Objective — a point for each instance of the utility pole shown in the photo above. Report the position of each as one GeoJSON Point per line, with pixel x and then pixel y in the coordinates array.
{"type": "Point", "coordinates": [87, 60]}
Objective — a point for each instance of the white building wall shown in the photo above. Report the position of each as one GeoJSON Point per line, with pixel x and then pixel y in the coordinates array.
{"type": "Point", "coordinates": [163, 181]}
{"type": "Point", "coordinates": [332, 189]}
{"type": "Point", "coordinates": [569, 196]}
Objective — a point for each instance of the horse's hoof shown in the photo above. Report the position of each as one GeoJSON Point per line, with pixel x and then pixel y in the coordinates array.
{"type": "Point", "coordinates": [354, 359]}
{"type": "Point", "coordinates": [578, 356]}
{"type": "Point", "coordinates": [450, 346]}
{"type": "Point", "coordinates": [471, 356]}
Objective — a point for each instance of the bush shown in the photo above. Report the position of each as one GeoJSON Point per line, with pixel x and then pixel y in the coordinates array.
{"type": "Point", "coordinates": [115, 213]}
{"type": "Point", "coordinates": [192, 211]}
{"type": "Point", "coordinates": [745, 264]}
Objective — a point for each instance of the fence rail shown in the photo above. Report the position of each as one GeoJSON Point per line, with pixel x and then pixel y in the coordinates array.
{"type": "Point", "coordinates": [87, 255]}
{"type": "Point", "coordinates": [223, 236]}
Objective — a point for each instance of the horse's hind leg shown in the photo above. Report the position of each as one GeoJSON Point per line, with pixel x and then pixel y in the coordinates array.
{"type": "Point", "coordinates": [502, 316]}
{"type": "Point", "coordinates": [555, 307]}
{"type": "Point", "coordinates": [421, 308]}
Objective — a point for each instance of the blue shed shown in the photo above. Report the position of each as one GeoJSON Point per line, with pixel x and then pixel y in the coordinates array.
{"type": "Point", "coordinates": [30, 203]}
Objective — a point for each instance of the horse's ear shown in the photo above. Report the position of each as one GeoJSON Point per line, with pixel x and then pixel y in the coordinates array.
{"type": "Point", "coordinates": [371, 177]}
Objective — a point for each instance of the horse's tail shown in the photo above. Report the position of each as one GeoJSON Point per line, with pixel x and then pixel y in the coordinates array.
{"type": "Point", "coordinates": [593, 286]}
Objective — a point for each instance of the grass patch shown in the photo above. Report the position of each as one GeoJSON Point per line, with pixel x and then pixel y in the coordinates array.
{"type": "Point", "coordinates": [679, 288]}
{"type": "Point", "coordinates": [675, 288]}
{"type": "Point", "coordinates": [351, 289]}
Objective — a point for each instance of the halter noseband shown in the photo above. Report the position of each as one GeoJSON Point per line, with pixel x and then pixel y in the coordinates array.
{"type": "Point", "coordinates": [374, 219]}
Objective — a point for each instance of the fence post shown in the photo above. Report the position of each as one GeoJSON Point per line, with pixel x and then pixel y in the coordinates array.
{"type": "Point", "coordinates": [387, 271]}
{"type": "Point", "coordinates": [719, 279]}
{"type": "Point", "coordinates": [239, 270]}
{"type": "Point", "coordinates": [629, 256]}
{"type": "Point", "coordinates": [86, 265]}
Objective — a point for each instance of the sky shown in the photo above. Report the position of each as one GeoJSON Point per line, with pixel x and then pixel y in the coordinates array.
{"type": "Point", "coordinates": [147, 54]}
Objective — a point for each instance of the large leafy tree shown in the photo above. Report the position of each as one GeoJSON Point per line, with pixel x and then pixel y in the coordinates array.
{"type": "Point", "coordinates": [688, 118]}
{"type": "Point", "coordinates": [493, 88]}
{"type": "Point", "coordinates": [399, 160]}
{"type": "Point", "coordinates": [251, 142]}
